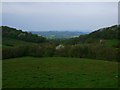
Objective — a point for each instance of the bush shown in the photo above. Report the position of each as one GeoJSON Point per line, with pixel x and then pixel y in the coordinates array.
{"type": "Point", "coordinates": [14, 52]}
{"type": "Point", "coordinates": [97, 51]}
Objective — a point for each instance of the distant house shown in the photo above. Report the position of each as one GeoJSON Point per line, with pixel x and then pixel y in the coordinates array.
{"type": "Point", "coordinates": [59, 47]}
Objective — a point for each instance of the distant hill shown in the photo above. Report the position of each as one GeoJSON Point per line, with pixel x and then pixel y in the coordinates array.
{"type": "Point", "coordinates": [59, 34]}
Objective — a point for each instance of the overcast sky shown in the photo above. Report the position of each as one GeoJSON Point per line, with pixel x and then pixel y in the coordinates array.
{"type": "Point", "coordinates": [45, 16]}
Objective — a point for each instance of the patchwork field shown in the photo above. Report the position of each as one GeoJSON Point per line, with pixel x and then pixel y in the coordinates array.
{"type": "Point", "coordinates": [59, 72]}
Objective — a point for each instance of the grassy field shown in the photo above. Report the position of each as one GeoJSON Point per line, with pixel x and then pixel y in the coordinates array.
{"type": "Point", "coordinates": [59, 72]}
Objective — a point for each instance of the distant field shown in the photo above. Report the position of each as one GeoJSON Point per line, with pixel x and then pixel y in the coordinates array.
{"type": "Point", "coordinates": [58, 72]}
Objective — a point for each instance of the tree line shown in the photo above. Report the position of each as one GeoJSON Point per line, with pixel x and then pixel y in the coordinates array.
{"type": "Point", "coordinates": [97, 51]}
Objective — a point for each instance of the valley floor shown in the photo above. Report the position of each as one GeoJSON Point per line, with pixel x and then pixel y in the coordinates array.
{"type": "Point", "coordinates": [59, 72]}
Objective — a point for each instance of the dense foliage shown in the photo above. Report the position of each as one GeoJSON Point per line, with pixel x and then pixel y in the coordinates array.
{"type": "Point", "coordinates": [106, 33]}
{"type": "Point", "coordinates": [96, 45]}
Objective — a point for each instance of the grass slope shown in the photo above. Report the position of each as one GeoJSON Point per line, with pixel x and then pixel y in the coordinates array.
{"type": "Point", "coordinates": [8, 42]}
{"type": "Point", "coordinates": [58, 72]}
{"type": "Point", "coordinates": [112, 42]}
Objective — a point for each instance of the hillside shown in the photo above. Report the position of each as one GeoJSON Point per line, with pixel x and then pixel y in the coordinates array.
{"type": "Point", "coordinates": [104, 33]}
{"type": "Point", "coordinates": [13, 33]}
{"type": "Point", "coordinates": [108, 33]}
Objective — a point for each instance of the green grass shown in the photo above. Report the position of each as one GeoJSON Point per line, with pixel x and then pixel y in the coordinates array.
{"type": "Point", "coordinates": [59, 72]}
{"type": "Point", "coordinates": [112, 42]}
{"type": "Point", "coordinates": [8, 42]}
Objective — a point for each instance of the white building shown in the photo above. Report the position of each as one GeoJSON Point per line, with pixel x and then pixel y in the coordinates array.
{"type": "Point", "coordinates": [59, 47]}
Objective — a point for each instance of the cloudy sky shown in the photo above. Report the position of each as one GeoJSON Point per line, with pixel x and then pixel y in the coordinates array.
{"type": "Point", "coordinates": [45, 16]}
